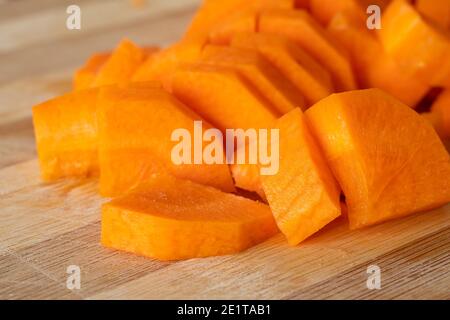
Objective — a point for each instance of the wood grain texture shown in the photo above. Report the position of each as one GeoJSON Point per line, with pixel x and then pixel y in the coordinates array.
{"type": "Point", "coordinates": [44, 228]}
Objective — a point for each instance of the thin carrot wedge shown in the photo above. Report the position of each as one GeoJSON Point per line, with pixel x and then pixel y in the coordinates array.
{"type": "Point", "coordinates": [269, 82]}
{"type": "Point", "coordinates": [303, 195]}
{"type": "Point", "coordinates": [173, 219]}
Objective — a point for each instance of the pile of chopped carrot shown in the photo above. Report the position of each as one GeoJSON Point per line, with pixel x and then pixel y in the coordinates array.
{"type": "Point", "coordinates": [363, 116]}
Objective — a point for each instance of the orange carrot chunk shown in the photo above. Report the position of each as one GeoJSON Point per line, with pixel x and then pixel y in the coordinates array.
{"type": "Point", "coordinates": [373, 67]}
{"type": "Point", "coordinates": [84, 76]}
{"type": "Point", "coordinates": [441, 107]}
{"type": "Point", "coordinates": [421, 49]}
{"type": "Point", "coordinates": [435, 119]}
{"type": "Point", "coordinates": [269, 82]}
{"type": "Point", "coordinates": [305, 73]}
{"type": "Point", "coordinates": [241, 21]}
{"type": "Point", "coordinates": [161, 65]}
{"type": "Point", "coordinates": [212, 14]}
{"type": "Point", "coordinates": [222, 96]}
{"type": "Point", "coordinates": [173, 219]}
{"type": "Point", "coordinates": [66, 135]}
{"type": "Point", "coordinates": [303, 195]}
{"type": "Point", "coordinates": [299, 26]}
{"type": "Point", "coordinates": [121, 65]}
{"type": "Point", "coordinates": [436, 10]}
{"type": "Point", "coordinates": [136, 127]}
{"type": "Point", "coordinates": [386, 157]}
{"type": "Point", "coordinates": [325, 10]}
{"type": "Point", "coordinates": [246, 176]}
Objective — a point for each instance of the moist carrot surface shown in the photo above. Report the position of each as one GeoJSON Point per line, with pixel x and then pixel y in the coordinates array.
{"type": "Point", "coordinates": [134, 146]}
{"type": "Point", "coordinates": [314, 39]}
{"type": "Point", "coordinates": [373, 67]}
{"type": "Point", "coordinates": [241, 21]}
{"type": "Point", "coordinates": [309, 77]}
{"type": "Point", "coordinates": [84, 76]}
{"type": "Point", "coordinates": [303, 195]}
{"type": "Point", "coordinates": [172, 219]}
{"type": "Point", "coordinates": [364, 155]}
{"type": "Point", "coordinates": [388, 159]}
{"type": "Point", "coordinates": [246, 176]}
{"type": "Point", "coordinates": [263, 76]}
{"type": "Point", "coordinates": [419, 47]}
{"type": "Point", "coordinates": [325, 10]}
{"type": "Point", "coordinates": [65, 130]}
{"type": "Point", "coordinates": [161, 65]}
{"type": "Point", "coordinates": [121, 65]}
{"type": "Point", "coordinates": [222, 96]}
{"type": "Point", "coordinates": [441, 107]}
{"type": "Point", "coordinates": [437, 11]}
{"type": "Point", "coordinates": [212, 13]}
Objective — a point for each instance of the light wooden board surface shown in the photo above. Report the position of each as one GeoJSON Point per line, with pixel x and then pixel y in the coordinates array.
{"type": "Point", "coordinates": [44, 228]}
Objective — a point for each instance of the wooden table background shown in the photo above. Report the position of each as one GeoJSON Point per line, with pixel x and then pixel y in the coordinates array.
{"type": "Point", "coordinates": [44, 228]}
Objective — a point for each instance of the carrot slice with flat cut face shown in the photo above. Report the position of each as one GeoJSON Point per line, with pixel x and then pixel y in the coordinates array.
{"type": "Point", "coordinates": [388, 159]}
{"type": "Point", "coordinates": [84, 76]}
{"type": "Point", "coordinates": [134, 146]}
{"type": "Point", "coordinates": [246, 176]}
{"type": "Point", "coordinates": [436, 10]}
{"type": "Point", "coordinates": [325, 10]}
{"type": "Point", "coordinates": [305, 73]}
{"type": "Point", "coordinates": [421, 49]}
{"type": "Point", "coordinates": [303, 195]}
{"type": "Point", "coordinates": [373, 67]}
{"type": "Point", "coordinates": [66, 135]}
{"type": "Point", "coordinates": [299, 26]}
{"type": "Point", "coordinates": [441, 107]}
{"type": "Point", "coordinates": [161, 65]}
{"type": "Point", "coordinates": [269, 82]}
{"type": "Point", "coordinates": [121, 65]}
{"type": "Point", "coordinates": [222, 97]}
{"type": "Point", "coordinates": [241, 21]}
{"type": "Point", "coordinates": [173, 219]}
{"type": "Point", "coordinates": [435, 119]}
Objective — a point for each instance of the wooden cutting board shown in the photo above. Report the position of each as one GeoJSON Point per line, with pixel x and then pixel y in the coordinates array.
{"type": "Point", "coordinates": [45, 228]}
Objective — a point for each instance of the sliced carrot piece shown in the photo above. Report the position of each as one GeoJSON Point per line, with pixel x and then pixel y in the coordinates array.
{"type": "Point", "coordinates": [222, 97]}
{"type": "Point", "coordinates": [373, 67]}
{"type": "Point", "coordinates": [388, 159]}
{"type": "Point", "coordinates": [207, 17]}
{"type": "Point", "coordinates": [420, 49]}
{"type": "Point", "coordinates": [435, 10]}
{"type": "Point", "coordinates": [121, 65]}
{"type": "Point", "coordinates": [84, 76]}
{"type": "Point", "coordinates": [173, 219]}
{"type": "Point", "coordinates": [242, 21]}
{"type": "Point", "coordinates": [304, 4]}
{"type": "Point", "coordinates": [160, 66]}
{"type": "Point", "coordinates": [307, 75]}
{"type": "Point", "coordinates": [212, 13]}
{"type": "Point", "coordinates": [66, 135]}
{"type": "Point", "coordinates": [246, 176]}
{"type": "Point", "coordinates": [441, 106]}
{"type": "Point", "coordinates": [314, 39]}
{"type": "Point", "coordinates": [325, 10]}
{"type": "Point", "coordinates": [303, 195]}
{"type": "Point", "coordinates": [269, 82]}
{"type": "Point", "coordinates": [435, 119]}
{"type": "Point", "coordinates": [134, 146]}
